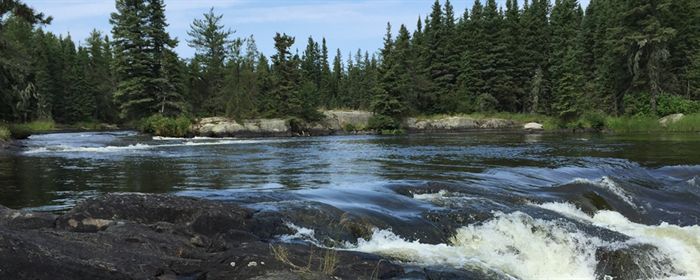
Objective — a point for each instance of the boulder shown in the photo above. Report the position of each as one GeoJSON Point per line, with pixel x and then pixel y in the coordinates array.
{"type": "Point", "coordinates": [223, 127]}
{"type": "Point", "coordinates": [341, 120]}
{"type": "Point", "coordinates": [456, 123]}
{"type": "Point", "coordinates": [533, 126]}
{"type": "Point", "coordinates": [446, 123]}
{"type": "Point", "coordinates": [670, 119]}
{"type": "Point", "coordinates": [497, 124]}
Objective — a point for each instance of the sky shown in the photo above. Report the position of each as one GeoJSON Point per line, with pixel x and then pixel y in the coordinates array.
{"type": "Point", "coordinates": [346, 24]}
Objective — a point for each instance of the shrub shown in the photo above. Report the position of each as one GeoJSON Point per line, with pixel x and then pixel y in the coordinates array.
{"type": "Point", "coordinates": [381, 122]}
{"type": "Point", "coordinates": [666, 104]}
{"type": "Point", "coordinates": [5, 133]}
{"type": "Point", "coordinates": [349, 127]}
{"type": "Point", "coordinates": [20, 131]}
{"type": "Point", "coordinates": [595, 120]}
{"type": "Point", "coordinates": [164, 126]}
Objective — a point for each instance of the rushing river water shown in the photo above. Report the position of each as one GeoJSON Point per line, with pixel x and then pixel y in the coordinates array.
{"type": "Point", "coordinates": [525, 206]}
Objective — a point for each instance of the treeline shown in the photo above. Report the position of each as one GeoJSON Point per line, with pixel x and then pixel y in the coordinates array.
{"type": "Point", "coordinates": [626, 57]}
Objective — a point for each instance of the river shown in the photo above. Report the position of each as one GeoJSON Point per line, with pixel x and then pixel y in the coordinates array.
{"type": "Point", "coordinates": [513, 205]}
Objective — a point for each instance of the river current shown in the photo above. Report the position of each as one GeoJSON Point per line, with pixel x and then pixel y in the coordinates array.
{"type": "Point", "coordinates": [511, 205]}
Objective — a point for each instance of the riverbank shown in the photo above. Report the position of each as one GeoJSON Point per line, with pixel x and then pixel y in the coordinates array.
{"type": "Point", "coordinates": [360, 122]}
{"type": "Point", "coordinates": [11, 131]}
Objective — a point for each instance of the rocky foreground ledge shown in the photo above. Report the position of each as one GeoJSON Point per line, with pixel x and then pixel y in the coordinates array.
{"type": "Point", "coordinates": [137, 236]}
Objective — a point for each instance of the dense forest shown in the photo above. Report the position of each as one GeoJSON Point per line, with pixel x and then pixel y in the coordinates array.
{"type": "Point", "coordinates": [618, 57]}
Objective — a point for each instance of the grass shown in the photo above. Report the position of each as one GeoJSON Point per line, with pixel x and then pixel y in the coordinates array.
{"type": "Point", "coordinates": [24, 130]}
{"type": "Point", "coordinates": [633, 124]}
{"type": "Point", "coordinates": [690, 123]}
{"type": "Point", "coordinates": [5, 133]}
{"type": "Point", "coordinates": [327, 263]}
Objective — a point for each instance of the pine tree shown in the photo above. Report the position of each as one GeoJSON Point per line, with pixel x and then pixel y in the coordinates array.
{"type": "Point", "coordinates": [326, 79]}
{"type": "Point", "coordinates": [131, 60]}
{"type": "Point", "coordinates": [289, 100]}
{"type": "Point", "coordinates": [470, 80]}
{"type": "Point", "coordinates": [100, 76]}
{"type": "Point", "coordinates": [163, 64]}
{"type": "Point", "coordinates": [647, 37]}
{"type": "Point", "coordinates": [535, 46]}
{"type": "Point", "coordinates": [566, 69]}
{"type": "Point", "coordinates": [333, 100]}
{"type": "Point", "coordinates": [211, 40]}
{"type": "Point", "coordinates": [387, 100]}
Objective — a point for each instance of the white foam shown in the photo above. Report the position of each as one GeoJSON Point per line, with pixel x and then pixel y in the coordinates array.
{"type": "Point", "coordinates": [680, 244]}
{"type": "Point", "coordinates": [300, 234]}
{"type": "Point", "coordinates": [134, 147]}
{"type": "Point", "coordinates": [694, 182]}
{"type": "Point", "coordinates": [606, 183]}
{"type": "Point", "coordinates": [513, 244]}
{"type": "Point", "coordinates": [431, 196]}
{"type": "Point", "coordinates": [69, 149]}
{"type": "Point", "coordinates": [162, 138]}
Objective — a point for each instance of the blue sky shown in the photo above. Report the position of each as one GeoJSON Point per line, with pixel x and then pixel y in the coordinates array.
{"type": "Point", "coordinates": [346, 24]}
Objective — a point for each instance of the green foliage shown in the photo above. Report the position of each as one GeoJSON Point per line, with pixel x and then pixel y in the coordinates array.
{"type": "Point", "coordinates": [212, 43]}
{"type": "Point", "coordinates": [689, 123]}
{"type": "Point", "coordinates": [639, 105]}
{"type": "Point", "coordinates": [24, 130]}
{"type": "Point", "coordinates": [164, 126]}
{"type": "Point", "coordinates": [381, 122]}
{"type": "Point", "coordinates": [633, 124]}
{"type": "Point", "coordinates": [632, 58]}
{"type": "Point", "coordinates": [5, 133]}
{"type": "Point", "coordinates": [594, 120]}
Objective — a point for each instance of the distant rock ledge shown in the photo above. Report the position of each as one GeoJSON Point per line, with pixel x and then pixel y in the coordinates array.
{"type": "Point", "coordinates": [340, 122]}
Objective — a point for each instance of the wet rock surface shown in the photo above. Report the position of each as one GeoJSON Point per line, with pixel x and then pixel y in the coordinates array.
{"type": "Point", "coordinates": [139, 236]}
{"type": "Point", "coordinates": [133, 236]}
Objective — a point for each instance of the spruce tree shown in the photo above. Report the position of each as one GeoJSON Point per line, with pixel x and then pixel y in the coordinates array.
{"type": "Point", "coordinates": [211, 41]}
{"type": "Point", "coordinates": [131, 60]}
{"type": "Point", "coordinates": [387, 100]}
{"type": "Point", "coordinates": [647, 36]}
{"type": "Point", "coordinates": [566, 70]}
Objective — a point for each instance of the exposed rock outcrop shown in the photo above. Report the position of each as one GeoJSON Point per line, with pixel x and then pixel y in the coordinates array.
{"type": "Point", "coordinates": [225, 127]}
{"type": "Point", "coordinates": [338, 122]}
{"type": "Point", "coordinates": [347, 120]}
{"type": "Point", "coordinates": [533, 126]}
{"type": "Point", "coordinates": [670, 119]}
{"type": "Point", "coordinates": [134, 236]}
{"type": "Point", "coordinates": [456, 123]}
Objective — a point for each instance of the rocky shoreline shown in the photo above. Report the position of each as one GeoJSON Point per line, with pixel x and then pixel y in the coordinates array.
{"type": "Point", "coordinates": [342, 123]}
{"type": "Point", "coordinates": [145, 236]}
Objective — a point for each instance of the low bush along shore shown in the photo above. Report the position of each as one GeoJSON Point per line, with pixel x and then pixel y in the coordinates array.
{"type": "Point", "coordinates": [10, 131]}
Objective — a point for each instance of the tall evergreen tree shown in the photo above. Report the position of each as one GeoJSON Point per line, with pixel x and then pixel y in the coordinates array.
{"type": "Point", "coordinates": [566, 69]}
{"type": "Point", "coordinates": [647, 36]}
{"type": "Point", "coordinates": [388, 100]}
{"type": "Point", "coordinates": [211, 41]}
